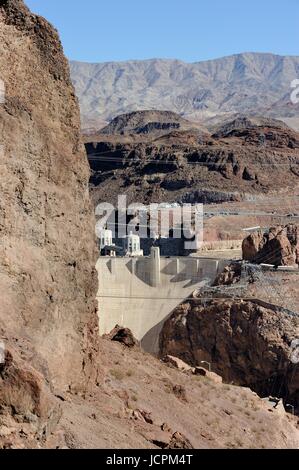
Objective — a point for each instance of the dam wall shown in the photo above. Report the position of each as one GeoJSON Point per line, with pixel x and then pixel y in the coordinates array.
{"type": "Point", "coordinates": [141, 293]}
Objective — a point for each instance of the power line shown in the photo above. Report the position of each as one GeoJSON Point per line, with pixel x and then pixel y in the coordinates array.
{"type": "Point", "coordinates": [199, 299]}
{"type": "Point", "coordinates": [98, 157]}
{"type": "Point", "coordinates": [208, 216]}
{"type": "Point", "coordinates": [167, 298]}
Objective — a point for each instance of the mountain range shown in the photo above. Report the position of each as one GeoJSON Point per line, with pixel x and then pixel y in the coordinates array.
{"type": "Point", "coordinates": [210, 91]}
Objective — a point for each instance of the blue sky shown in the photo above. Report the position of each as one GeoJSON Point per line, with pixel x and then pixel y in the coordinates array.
{"type": "Point", "coordinates": [190, 30]}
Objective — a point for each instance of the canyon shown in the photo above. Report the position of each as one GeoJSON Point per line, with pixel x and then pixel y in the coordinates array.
{"type": "Point", "coordinates": [245, 160]}
{"type": "Point", "coordinates": [61, 384]}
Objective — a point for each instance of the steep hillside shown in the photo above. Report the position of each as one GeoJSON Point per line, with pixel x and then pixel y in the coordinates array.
{"type": "Point", "coordinates": [143, 403]}
{"type": "Point", "coordinates": [210, 91]}
{"type": "Point", "coordinates": [47, 247]}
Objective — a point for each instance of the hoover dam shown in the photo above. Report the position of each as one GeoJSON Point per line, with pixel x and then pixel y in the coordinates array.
{"type": "Point", "coordinates": [141, 293]}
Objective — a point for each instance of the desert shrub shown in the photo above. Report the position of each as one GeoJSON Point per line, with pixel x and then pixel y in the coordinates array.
{"type": "Point", "coordinates": [117, 374]}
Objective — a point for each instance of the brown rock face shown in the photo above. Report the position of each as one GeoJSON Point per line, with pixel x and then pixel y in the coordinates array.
{"type": "Point", "coordinates": [190, 165]}
{"type": "Point", "coordinates": [26, 395]}
{"type": "Point", "coordinates": [47, 276]}
{"type": "Point", "coordinates": [230, 275]}
{"type": "Point", "coordinates": [178, 364]}
{"type": "Point", "coordinates": [124, 336]}
{"type": "Point", "coordinates": [245, 343]}
{"type": "Point", "coordinates": [279, 247]}
{"type": "Point", "coordinates": [178, 441]}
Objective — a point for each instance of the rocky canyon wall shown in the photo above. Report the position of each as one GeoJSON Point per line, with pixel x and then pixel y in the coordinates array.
{"type": "Point", "coordinates": [47, 247]}
{"type": "Point", "coordinates": [247, 342]}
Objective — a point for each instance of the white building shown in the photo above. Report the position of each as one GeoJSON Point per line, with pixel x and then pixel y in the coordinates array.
{"type": "Point", "coordinates": [132, 245]}
{"type": "Point", "coordinates": [106, 238]}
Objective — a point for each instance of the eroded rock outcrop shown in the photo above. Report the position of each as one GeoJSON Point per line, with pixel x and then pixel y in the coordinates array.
{"type": "Point", "coordinates": [246, 343]}
{"type": "Point", "coordinates": [148, 122]}
{"type": "Point", "coordinates": [123, 336]}
{"type": "Point", "coordinates": [178, 364]}
{"type": "Point", "coordinates": [279, 246]}
{"type": "Point", "coordinates": [231, 274]}
{"type": "Point", "coordinates": [28, 405]}
{"type": "Point", "coordinates": [47, 275]}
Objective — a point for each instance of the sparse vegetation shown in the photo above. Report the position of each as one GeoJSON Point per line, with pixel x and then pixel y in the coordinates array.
{"type": "Point", "coordinates": [180, 392]}
{"type": "Point", "coordinates": [118, 374]}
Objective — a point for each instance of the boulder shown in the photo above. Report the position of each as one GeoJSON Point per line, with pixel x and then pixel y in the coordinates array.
{"type": "Point", "coordinates": [124, 336]}
{"type": "Point", "coordinates": [142, 415]}
{"type": "Point", "coordinates": [179, 441]}
{"type": "Point", "coordinates": [178, 363]}
{"type": "Point", "coordinates": [280, 246]}
{"type": "Point", "coordinates": [231, 274]}
{"type": "Point", "coordinates": [208, 374]}
{"type": "Point", "coordinates": [26, 395]}
{"type": "Point", "coordinates": [167, 439]}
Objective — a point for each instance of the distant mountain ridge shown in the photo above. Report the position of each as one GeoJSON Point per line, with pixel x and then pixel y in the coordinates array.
{"type": "Point", "coordinates": [148, 122]}
{"type": "Point", "coordinates": [209, 91]}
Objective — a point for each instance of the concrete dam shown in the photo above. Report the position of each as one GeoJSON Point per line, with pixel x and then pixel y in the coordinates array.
{"type": "Point", "coordinates": [141, 293]}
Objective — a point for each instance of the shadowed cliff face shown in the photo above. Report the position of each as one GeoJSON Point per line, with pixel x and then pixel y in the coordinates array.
{"type": "Point", "coordinates": [47, 248]}
{"type": "Point", "coordinates": [248, 343]}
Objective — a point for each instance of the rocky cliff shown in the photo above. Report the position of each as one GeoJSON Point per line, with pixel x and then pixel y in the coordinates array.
{"type": "Point", "coordinates": [279, 246]}
{"type": "Point", "coordinates": [47, 276]}
{"type": "Point", "coordinates": [247, 343]}
{"type": "Point", "coordinates": [190, 165]}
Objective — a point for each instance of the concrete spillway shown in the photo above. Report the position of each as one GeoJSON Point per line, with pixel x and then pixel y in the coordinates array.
{"type": "Point", "coordinates": [141, 293]}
